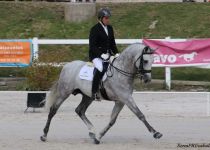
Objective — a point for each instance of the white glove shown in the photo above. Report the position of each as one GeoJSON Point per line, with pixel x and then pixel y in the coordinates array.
{"type": "Point", "coordinates": [105, 56]}
{"type": "Point", "coordinates": [116, 55]}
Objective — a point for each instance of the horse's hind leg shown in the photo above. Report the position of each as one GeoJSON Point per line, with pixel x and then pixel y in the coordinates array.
{"type": "Point", "coordinates": [81, 109]}
{"type": "Point", "coordinates": [52, 112]}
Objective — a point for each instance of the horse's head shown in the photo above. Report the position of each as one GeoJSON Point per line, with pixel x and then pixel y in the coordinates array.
{"type": "Point", "coordinates": [143, 64]}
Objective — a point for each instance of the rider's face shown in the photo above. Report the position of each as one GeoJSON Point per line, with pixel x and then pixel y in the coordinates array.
{"type": "Point", "coordinates": [106, 21]}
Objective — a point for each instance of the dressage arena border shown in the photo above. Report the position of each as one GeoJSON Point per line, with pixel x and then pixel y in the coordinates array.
{"type": "Point", "coordinates": [138, 92]}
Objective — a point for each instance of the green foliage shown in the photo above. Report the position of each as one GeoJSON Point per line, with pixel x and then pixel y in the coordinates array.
{"type": "Point", "coordinates": [130, 20]}
{"type": "Point", "coordinates": [191, 74]}
{"type": "Point", "coordinates": [178, 20]}
{"type": "Point", "coordinates": [188, 74]}
{"type": "Point", "coordinates": [41, 77]}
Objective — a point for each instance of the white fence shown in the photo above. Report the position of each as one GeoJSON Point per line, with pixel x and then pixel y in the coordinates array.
{"type": "Point", "coordinates": [36, 42]}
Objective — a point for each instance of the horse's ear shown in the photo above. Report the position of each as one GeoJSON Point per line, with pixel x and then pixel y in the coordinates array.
{"type": "Point", "coordinates": [146, 49]}
{"type": "Point", "coordinates": [153, 49]}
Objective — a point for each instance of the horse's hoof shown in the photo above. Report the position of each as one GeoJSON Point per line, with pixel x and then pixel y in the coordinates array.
{"type": "Point", "coordinates": [96, 141]}
{"type": "Point", "coordinates": [157, 135]}
{"type": "Point", "coordinates": [92, 135]}
{"type": "Point", "coordinates": [43, 138]}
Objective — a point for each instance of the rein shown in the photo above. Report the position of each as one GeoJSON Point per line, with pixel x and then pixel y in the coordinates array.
{"type": "Point", "coordinates": [127, 74]}
{"type": "Point", "coordinates": [140, 70]}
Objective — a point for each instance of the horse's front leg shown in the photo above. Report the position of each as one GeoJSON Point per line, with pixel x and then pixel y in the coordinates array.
{"type": "Point", "coordinates": [134, 108]}
{"type": "Point", "coordinates": [115, 112]}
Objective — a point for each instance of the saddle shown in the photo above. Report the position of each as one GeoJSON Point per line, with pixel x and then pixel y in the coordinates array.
{"type": "Point", "coordinates": [87, 73]}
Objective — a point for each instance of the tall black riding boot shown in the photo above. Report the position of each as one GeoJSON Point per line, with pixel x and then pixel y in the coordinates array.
{"type": "Point", "coordinates": [95, 85]}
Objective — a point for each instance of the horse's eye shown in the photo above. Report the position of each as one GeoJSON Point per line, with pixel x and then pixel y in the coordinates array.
{"type": "Point", "coordinates": [145, 61]}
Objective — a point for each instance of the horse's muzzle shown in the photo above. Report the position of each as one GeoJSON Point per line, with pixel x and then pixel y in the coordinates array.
{"type": "Point", "coordinates": [147, 77]}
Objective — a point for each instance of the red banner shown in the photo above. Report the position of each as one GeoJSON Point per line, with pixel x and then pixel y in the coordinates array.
{"type": "Point", "coordinates": [192, 52]}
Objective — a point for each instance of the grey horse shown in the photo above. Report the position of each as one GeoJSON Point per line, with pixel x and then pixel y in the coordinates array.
{"type": "Point", "coordinates": [135, 59]}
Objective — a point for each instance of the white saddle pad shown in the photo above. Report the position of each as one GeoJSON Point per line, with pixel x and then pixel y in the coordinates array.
{"type": "Point", "coordinates": [86, 73]}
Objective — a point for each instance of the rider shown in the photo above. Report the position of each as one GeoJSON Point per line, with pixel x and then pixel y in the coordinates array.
{"type": "Point", "coordinates": [101, 46]}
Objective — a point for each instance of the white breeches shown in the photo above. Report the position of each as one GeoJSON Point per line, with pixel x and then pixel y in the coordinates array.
{"type": "Point", "coordinates": [98, 63]}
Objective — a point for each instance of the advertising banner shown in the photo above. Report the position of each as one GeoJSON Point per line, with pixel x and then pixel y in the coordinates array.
{"type": "Point", "coordinates": [187, 53]}
{"type": "Point", "coordinates": [15, 53]}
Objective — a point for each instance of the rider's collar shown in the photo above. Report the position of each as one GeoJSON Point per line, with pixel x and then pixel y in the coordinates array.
{"type": "Point", "coordinates": [105, 27]}
{"type": "Point", "coordinates": [102, 24]}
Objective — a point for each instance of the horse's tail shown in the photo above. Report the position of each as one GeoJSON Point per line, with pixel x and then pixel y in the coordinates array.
{"type": "Point", "coordinates": [52, 96]}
